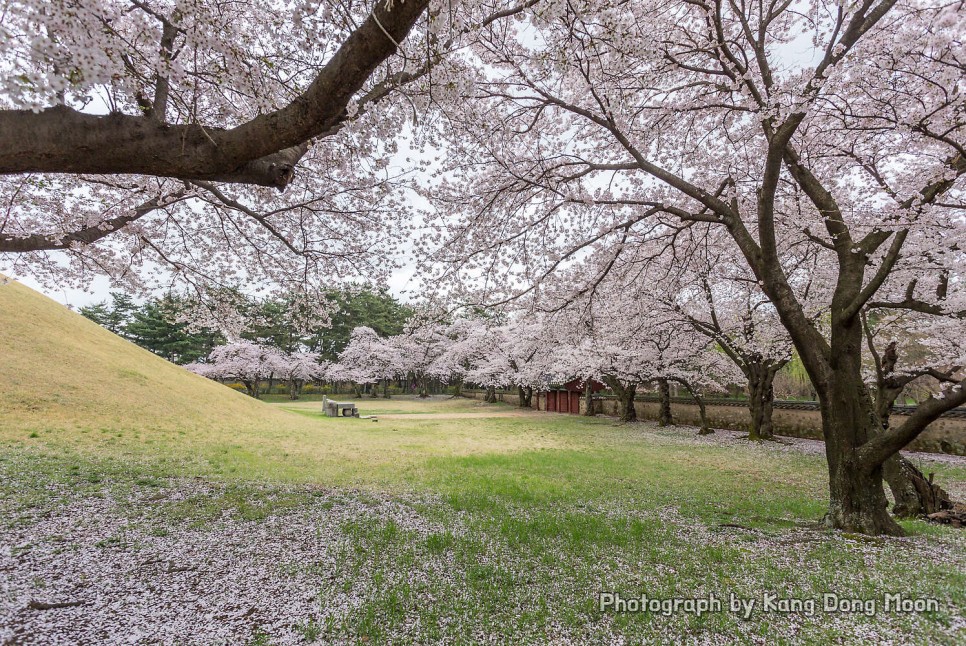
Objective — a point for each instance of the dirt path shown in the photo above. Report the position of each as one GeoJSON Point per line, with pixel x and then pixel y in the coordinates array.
{"type": "Point", "coordinates": [454, 415]}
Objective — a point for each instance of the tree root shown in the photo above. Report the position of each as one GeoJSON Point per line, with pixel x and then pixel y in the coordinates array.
{"type": "Point", "coordinates": [954, 517]}
{"type": "Point", "coordinates": [33, 604]}
{"type": "Point", "coordinates": [915, 493]}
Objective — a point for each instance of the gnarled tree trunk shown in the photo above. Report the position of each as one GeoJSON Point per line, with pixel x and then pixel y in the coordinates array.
{"type": "Point", "coordinates": [626, 410]}
{"type": "Point", "coordinates": [589, 407]}
{"type": "Point", "coordinates": [490, 397]}
{"type": "Point", "coordinates": [525, 396]}
{"type": "Point", "coordinates": [915, 494]}
{"type": "Point", "coordinates": [664, 417]}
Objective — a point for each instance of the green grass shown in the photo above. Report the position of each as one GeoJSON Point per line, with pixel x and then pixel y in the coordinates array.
{"type": "Point", "coordinates": [528, 517]}
{"type": "Point", "coordinates": [515, 521]}
{"type": "Point", "coordinates": [61, 372]}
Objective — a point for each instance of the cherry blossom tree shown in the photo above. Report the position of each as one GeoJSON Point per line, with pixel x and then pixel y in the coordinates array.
{"type": "Point", "coordinates": [467, 339]}
{"type": "Point", "coordinates": [627, 339]}
{"type": "Point", "coordinates": [197, 95]}
{"type": "Point", "coordinates": [900, 358]}
{"type": "Point", "coordinates": [838, 128]}
{"type": "Point", "coordinates": [214, 144]}
{"type": "Point", "coordinates": [420, 347]}
{"type": "Point", "coordinates": [520, 355]}
{"type": "Point", "coordinates": [245, 361]}
{"type": "Point", "coordinates": [714, 292]}
{"type": "Point", "coordinates": [368, 359]}
{"type": "Point", "coordinates": [298, 368]}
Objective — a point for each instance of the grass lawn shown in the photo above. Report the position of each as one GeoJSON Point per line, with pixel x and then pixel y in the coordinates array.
{"type": "Point", "coordinates": [444, 521]}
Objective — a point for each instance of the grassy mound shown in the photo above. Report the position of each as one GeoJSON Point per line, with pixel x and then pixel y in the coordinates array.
{"type": "Point", "coordinates": [71, 390]}
{"type": "Point", "coordinates": [61, 371]}
{"type": "Point", "coordinates": [128, 484]}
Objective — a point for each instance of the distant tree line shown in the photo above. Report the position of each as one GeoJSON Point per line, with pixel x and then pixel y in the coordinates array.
{"type": "Point", "coordinates": [154, 325]}
{"type": "Point", "coordinates": [163, 326]}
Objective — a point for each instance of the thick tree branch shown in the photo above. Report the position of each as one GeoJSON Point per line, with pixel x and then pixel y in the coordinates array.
{"type": "Point", "coordinates": [87, 235]}
{"type": "Point", "coordinates": [262, 151]}
{"type": "Point", "coordinates": [881, 447]}
{"type": "Point", "coordinates": [888, 264]}
{"type": "Point", "coordinates": [916, 305]}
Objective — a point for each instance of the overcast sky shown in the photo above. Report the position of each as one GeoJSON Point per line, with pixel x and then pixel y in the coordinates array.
{"type": "Point", "coordinates": [796, 53]}
{"type": "Point", "coordinates": [399, 284]}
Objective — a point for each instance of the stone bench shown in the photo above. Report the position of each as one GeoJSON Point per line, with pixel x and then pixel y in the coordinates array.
{"type": "Point", "coordinates": [333, 408]}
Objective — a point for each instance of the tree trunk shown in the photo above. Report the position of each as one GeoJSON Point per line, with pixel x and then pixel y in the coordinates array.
{"type": "Point", "coordinates": [589, 399]}
{"type": "Point", "coordinates": [857, 500]}
{"type": "Point", "coordinates": [458, 388]}
{"type": "Point", "coordinates": [664, 407]}
{"type": "Point", "coordinates": [385, 389]}
{"type": "Point", "coordinates": [914, 494]}
{"type": "Point", "coordinates": [490, 397]}
{"type": "Point", "coordinates": [252, 388]}
{"type": "Point", "coordinates": [761, 398]}
{"type": "Point", "coordinates": [626, 410]}
{"type": "Point", "coordinates": [525, 395]}
{"type": "Point", "coordinates": [293, 389]}
{"type": "Point", "coordinates": [705, 428]}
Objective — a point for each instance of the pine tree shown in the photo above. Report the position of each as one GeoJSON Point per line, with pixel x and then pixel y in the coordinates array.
{"type": "Point", "coordinates": [155, 327]}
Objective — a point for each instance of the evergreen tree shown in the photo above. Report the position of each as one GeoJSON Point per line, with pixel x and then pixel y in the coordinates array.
{"type": "Point", "coordinates": [155, 327]}
{"type": "Point", "coordinates": [277, 323]}
{"type": "Point", "coordinates": [115, 316]}
{"type": "Point", "coordinates": [364, 307]}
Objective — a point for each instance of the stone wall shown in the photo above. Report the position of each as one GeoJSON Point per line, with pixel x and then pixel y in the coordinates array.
{"type": "Point", "coordinates": [945, 435]}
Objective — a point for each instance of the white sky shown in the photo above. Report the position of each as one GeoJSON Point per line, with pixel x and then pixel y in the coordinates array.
{"type": "Point", "coordinates": [398, 284]}
{"type": "Point", "coordinates": [796, 53]}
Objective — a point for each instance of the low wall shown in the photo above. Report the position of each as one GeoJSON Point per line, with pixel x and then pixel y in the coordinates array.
{"type": "Point", "coordinates": [945, 435]}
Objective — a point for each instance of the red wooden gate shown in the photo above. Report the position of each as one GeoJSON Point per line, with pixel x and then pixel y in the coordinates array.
{"type": "Point", "coordinates": [565, 398]}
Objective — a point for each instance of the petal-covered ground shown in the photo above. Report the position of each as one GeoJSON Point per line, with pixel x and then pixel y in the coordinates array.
{"type": "Point", "coordinates": [507, 548]}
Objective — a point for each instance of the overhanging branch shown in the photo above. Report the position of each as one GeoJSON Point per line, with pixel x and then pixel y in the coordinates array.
{"type": "Point", "coordinates": [262, 151]}
{"type": "Point", "coordinates": [86, 235]}
{"type": "Point", "coordinates": [881, 447]}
